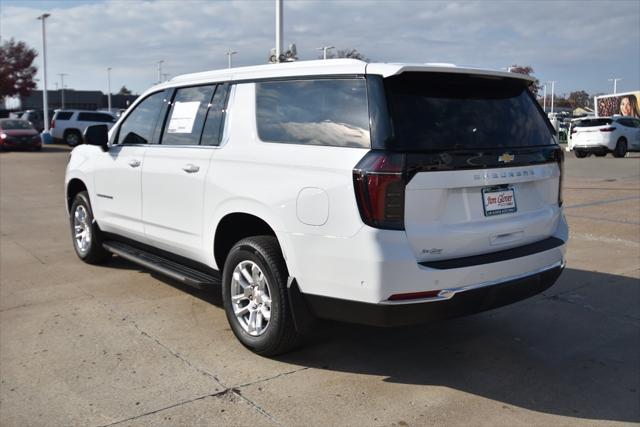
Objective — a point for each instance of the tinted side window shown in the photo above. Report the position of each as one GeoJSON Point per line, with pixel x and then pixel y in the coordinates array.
{"type": "Point", "coordinates": [212, 132]}
{"type": "Point", "coordinates": [95, 117]}
{"type": "Point", "coordinates": [139, 126]}
{"type": "Point", "coordinates": [186, 116]}
{"type": "Point", "coordinates": [316, 112]}
{"type": "Point", "coordinates": [63, 115]}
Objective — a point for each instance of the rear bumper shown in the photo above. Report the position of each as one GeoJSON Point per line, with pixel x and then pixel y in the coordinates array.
{"type": "Point", "coordinates": [596, 149]}
{"type": "Point", "coordinates": [457, 302]}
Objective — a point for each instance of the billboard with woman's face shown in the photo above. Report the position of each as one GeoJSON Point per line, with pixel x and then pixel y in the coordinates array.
{"type": "Point", "coordinates": [624, 104]}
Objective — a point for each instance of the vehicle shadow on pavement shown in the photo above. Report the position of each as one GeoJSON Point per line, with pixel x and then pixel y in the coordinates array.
{"type": "Point", "coordinates": [573, 351]}
{"type": "Point", "coordinates": [55, 148]}
{"type": "Point", "coordinates": [211, 294]}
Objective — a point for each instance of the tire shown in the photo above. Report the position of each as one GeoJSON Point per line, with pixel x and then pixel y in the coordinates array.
{"type": "Point", "coordinates": [601, 154]}
{"type": "Point", "coordinates": [88, 247]}
{"type": "Point", "coordinates": [261, 259]}
{"type": "Point", "coordinates": [73, 138]}
{"type": "Point", "coordinates": [38, 148]}
{"type": "Point", "coordinates": [621, 148]}
{"type": "Point", "coordinates": [579, 154]}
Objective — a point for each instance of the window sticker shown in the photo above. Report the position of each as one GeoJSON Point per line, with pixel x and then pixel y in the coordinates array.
{"type": "Point", "coordinates": [183, 117]}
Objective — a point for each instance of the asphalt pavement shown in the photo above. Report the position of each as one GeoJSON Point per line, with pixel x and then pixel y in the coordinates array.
{"type": "Point", "coordinates": [117, 345]}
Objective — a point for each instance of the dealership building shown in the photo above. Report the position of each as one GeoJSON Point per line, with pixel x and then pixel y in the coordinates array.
{"type": "Point", "coordinates": [76, 99]}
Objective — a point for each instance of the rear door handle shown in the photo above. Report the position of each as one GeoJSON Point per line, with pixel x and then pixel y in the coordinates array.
{"type": "Point", "coordinates": [191, 168]}
{"type": "Point", "coordinates": [134, 163]}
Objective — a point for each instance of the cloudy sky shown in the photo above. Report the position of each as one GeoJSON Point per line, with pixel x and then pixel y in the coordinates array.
{"type": "Point", "coordinates": [581, 44]}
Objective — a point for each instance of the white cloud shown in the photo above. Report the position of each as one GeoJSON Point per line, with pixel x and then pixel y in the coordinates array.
{"type": "Point", "coordinates": [580, 44]}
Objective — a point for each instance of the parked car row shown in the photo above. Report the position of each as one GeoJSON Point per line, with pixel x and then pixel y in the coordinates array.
{"type": "Point", "coordinates": [66, 125]}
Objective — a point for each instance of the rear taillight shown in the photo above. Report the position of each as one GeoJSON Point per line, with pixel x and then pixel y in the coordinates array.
{"type": "Point", "coordinates": [609, 129]}
{"type": "Point", "coordinates": [560, 160]}
{"type": "Point", "coordinates": [53, 123]}
{"type": "Point", "coordinates": [379, 181]}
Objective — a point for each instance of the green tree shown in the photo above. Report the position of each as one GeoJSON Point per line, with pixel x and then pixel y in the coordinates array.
{"type": "Point", "coordinates": [17, 71]}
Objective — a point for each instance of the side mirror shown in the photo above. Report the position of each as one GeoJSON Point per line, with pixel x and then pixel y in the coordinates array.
{"type": "Point", "coordinates": [97, 135]}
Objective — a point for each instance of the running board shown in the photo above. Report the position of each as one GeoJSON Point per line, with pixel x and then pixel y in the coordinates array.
{"type": "Point", "coordinates": [172, 269]}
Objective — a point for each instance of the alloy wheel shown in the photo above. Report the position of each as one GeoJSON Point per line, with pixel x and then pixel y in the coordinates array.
{"type": "Point", "coordinates": [251, 298]}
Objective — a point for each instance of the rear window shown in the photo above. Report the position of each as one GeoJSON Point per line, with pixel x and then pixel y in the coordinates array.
{"type": "Point", "coordinates": [592, 122]}
{"type": "Point", "coordinates": [314, 112]}
{"type": "Point", "coordinates": [63, 115]}
{"type": "Point", "coordinates": [96, 117]}
{"type": "Point", "coordinates": [445, 111]}
{"type": "Point", "coordinates": [15, 124]}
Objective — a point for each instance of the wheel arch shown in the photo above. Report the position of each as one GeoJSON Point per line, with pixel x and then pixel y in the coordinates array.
{"type": "Point", "coordinates": [74, 187]}
{"type": "Point", "coordinates": [235, 226]}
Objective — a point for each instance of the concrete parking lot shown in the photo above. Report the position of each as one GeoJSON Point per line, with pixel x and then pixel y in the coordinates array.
{"type": "Point", "coordinates": [116, 345]}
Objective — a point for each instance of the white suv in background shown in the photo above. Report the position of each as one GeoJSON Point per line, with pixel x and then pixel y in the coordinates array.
{"type": "Point", "coordinates": [602, 135]}
{"type": "Point", "coordinates": [382, 194]}
{"type": "Point", "coordinates": [68, 125]}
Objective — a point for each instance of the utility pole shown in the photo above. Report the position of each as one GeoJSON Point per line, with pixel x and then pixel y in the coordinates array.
{"type": "Point", "coordinates": [229, 54]}
{"type": "Point", "coordinates": [160, 71]}
{"type": "Point", "coordinates": [109, 88]}
{"type": "Point", "coordinates": [165, 77]}
{"type": "Point", "coordinates": [279, 25]}
{"type": "Point", "coordinates": [62, 88]}
{"type": "Point", "coordinates": [45, 100]}
{"type": "Point", "coordinates": [615, 84]}
{"type": "Point", "coordinates": [324, 50]}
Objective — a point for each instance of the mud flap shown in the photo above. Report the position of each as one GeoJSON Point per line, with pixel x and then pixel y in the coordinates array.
{"type": "Point", "coordinates": [303, 318]}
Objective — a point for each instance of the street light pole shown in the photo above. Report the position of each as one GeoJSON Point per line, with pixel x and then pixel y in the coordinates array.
{"type": "Point", "coordinates": [279, 25]}
{"type": "Point", "coordinates": [45, 99]}
{"type": "Point", "coordinates": [544, 98]}
{"type": "Point", "coordinates": [62, 88]}
{"type": "Point", "coordinates": [230, 53]}
{"type": "Point", "coordinates": [553, 87]}
{"type": "Point", "coordinates": [160, 71]}
{"type": "Point", "coordinates": [109, 88]}
{"type": "Point", "coordinates": [615, 84]}
{"type": "Point", "coordinates": [324, 50]}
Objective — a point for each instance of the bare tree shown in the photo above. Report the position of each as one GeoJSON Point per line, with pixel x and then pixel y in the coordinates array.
{"type": "Point", "coordinates": [346, 53]}
{"type": "Point", "coordinates": [579, 98]}
{"type": "Point", "coordinates": [528, 70]}
{"type": "Point", "coordinates": [124, 91]}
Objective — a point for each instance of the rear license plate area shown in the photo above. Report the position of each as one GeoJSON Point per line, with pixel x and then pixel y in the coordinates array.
{"type": "Point", "coordinates": [498, 200]}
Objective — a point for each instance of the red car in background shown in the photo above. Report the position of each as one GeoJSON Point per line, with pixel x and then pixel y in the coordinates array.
{"type": "Point", "coordinates": [19, 134]}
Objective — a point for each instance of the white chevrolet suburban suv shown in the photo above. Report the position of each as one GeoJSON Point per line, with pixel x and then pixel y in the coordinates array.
{"type": "Point", "coordinates": [381, 194]}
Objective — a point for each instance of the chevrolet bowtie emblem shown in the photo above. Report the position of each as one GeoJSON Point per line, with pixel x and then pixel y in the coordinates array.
{"type": "Point", "coordinates": [506, 158]}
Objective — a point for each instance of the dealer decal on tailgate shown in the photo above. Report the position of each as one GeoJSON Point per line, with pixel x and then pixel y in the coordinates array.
{"type": "Point", "coordinates": [498, 200]}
